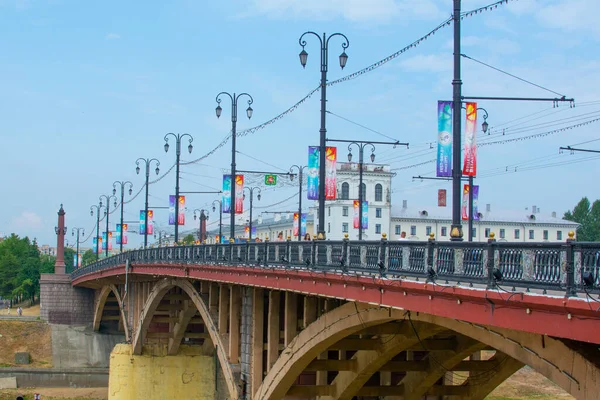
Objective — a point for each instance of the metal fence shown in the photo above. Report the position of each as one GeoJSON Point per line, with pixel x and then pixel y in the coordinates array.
{"type": "Point", "coordinates": [571, 267]}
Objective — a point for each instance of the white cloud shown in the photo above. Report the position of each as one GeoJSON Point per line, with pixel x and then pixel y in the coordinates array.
{"type": "Point", "coordinates": [352, 10]}
{"type": "Point", "coordinates": [113, 36]}
{"type": "Point", "coordinates": [27, 221]}
{"type": "Point", "coordinates": [572, 15]}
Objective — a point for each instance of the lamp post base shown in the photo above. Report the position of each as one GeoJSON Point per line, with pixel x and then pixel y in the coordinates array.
{"type": "Point", "coordinates": [456, 233]}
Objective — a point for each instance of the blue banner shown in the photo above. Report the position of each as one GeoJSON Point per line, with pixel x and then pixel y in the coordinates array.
{"type": "Point", "coordinates": [226, 199]}
{"type": "Point", "coordinates": [444, 150]}
{"type": "Point", "coordinates": [312, 179]}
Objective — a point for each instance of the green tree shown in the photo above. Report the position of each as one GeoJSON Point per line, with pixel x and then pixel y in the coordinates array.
{"type": "Point", "coordinates": [588, 217]}
{"type": "Point", "coordinates": [47, 264]}
{"type": "Point", "coordinates": [188, 239]}
{"type": "Point", "coordinates": [20, 261]}
{"type": "Point", "coordinates": [88, 257]}
{"type": "Point", "coordinates": [69, 259]}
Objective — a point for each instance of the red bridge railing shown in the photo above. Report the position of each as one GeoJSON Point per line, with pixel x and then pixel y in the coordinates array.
{"type": "Point", "coordinates": [572, 267]}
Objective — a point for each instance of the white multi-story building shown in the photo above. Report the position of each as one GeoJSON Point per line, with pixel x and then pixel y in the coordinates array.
{"type": "Point", "coordinates": [417, 222]}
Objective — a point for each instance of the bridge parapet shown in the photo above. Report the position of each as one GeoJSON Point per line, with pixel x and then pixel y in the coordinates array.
{"type": "Point", "coordinates": [571, 267]}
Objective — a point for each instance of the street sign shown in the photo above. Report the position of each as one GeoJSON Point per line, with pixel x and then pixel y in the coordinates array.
{"type": "Point", "coordinates": [270, 180]}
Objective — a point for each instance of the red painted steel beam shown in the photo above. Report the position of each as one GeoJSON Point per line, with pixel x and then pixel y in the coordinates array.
{"type": "Point", "coordinates": [570, 318]}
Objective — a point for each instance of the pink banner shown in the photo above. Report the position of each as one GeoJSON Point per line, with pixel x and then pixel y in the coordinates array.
{"type": "Point", "coordinates": [181, 211]}
{"type": "Point", "coordinates": [470, 162]}
{"type": "Point", "coordinates": [150, 228]}
{"type": "Point", "coordinates": [330, 172]}
{"type": "Point", "coordinates": [239, 194]}
{"type": "Point", "coordinates": [356, 217]}
{"type": "Point", "coordinates": [296, 224]}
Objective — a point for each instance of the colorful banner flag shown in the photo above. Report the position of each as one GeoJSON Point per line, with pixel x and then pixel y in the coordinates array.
{"type": "Point", "coordinates": [172, 209]}
{"type": "Point", "coordinates": [444, 150]}
{"type": "Point", "coordinates": [226, 199]}
{"type": "Point", "coordinates": [239, 194]}
{"type": "Point", "coordinates": [330, 172]}
{"type": "Point", "coordinates": [150, 226]}
{"type": "Point", "coordinates": [465, 202]}
{"type": "Point", "coordinates": [95, 244]}
{"type": "Point", "coordinates": [470, 150]}
{"type": "Point", "coordinates": [313, 173]}
{"type": "Point", "coordinates": [181, 211]}
{"type": "Point", "coordinates": [77, 260]}
{"type": "Point", "coordinates": [296, 224]}
{"type": "Point", "coordinates": [442, 198]}
{"type": "Point", "coordinates": [120, 239]}
{"type": "Point", "coordinates": [270, 180]}
{"type": "Point", "coordinates": [247, 232]}
{"type": "Point", "coordinates": [142, 226]}
{"type": "Point", "coordinates": [303, 225]}
{"type": "Point", "coordinates": [365, 214]}
{"type": "Point", "coordinates": [106, 241]}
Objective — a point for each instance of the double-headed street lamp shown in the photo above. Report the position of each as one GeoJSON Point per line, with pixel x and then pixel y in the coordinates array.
{"type": "Point", "coordinates": [148, 162]}
{"type": "Point", "coordinates": [324, 58]}
{"type": "Point", "coordinates": [361, 192]}
{"type": "Point", "coordinates": [178, 138]}
{"type": "Point", "coordinates": [122, 185]}
{"type": "Point", "coordinates": [98, 208]}
{"type": "Point", "coordinates": [108, 198]}
{"type": "Point", "coordinates": [80, 234]}
{"type": "Point", "coordinates": [251, 192]}
{"type": "Point", "coordinates": [203, 217]}
{"type": "Point", "coordinates": [234, 103]}
{"type": "Point", "coordinates": [220, 218]}
{"type": "Point", "coordinates": [300, 170]}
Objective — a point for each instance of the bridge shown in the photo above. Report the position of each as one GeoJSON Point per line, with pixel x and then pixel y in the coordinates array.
{"type": "Point", "coordinates": [369, 319]}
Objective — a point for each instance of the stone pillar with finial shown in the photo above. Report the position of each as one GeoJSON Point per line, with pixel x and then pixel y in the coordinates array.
{"type": "Point", "coordinates": [61, 230]}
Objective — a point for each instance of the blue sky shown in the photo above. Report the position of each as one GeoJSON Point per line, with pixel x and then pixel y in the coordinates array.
{"type": "Point", "coordinates": [88, 87]}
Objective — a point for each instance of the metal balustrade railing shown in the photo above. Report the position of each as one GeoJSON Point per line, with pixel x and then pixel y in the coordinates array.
{"type": "Point", "coordinates": [571, 266]}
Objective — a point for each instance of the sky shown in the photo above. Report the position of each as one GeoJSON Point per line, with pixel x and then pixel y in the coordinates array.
{"type": "Point", "coordinates": [89, 87]}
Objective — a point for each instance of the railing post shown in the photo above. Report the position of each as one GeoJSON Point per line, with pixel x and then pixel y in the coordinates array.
{"type": "Point", "coordinates": [344, 261]}
{"type": "Point", "coordinates": [430, 250]}
{"type": "Point", "coordinates": [288, 250]}
{"type": "Point", "coordinates": [266, 255]}
{"type": "Point", "coordinates": [383, 256]}
{"type": "Point", "coordinates": [570, 266]}
{"type": "Point", "coordinates": [313, 253]}
{"type": "Point", "coordinates": [231, 242]}
{"type": "Point", "coordinates": [491, 250]}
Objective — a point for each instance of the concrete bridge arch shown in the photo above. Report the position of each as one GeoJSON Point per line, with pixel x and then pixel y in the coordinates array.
{"type": "Point", "coordinates": [192, 305]}
{"type": "Point", "coordinates": [100, 306]}
{"type": "Point", "coordinates": [573, 369]}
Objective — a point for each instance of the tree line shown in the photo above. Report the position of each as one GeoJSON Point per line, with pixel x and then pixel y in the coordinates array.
{"type": "Point", "coordinates": [587, 215]}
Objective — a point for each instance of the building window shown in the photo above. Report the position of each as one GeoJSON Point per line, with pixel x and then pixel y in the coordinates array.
{"type": "Point", "coordinates": [558, 235]}
{"type": "Point", "coordinates": [378, 228]}
{"type": "Point", "coordinates": [517, 233]}
{"type": "Point", "coordinates": [345, 191]}
{"type": "Point", "coordinates": [427, 230]}
{"type": "Point", "coordinates": [531, 234]}
{"type": "Point", "coordinates": [545, 235]}
{"type": "Point", "coordinates": [344, 211]}
{"type": "Point", "coordinates": [413, 230]}
{"type": "Point", "coordinates": [329, 211]}
{"type": "Point", "coordinates": [378, 213]}
{"type": "Point", "coordinates": [502, 233]}
{"type": "Point", "coordinates": [345, 227]}
{"type": "Point", "coordinates": [329, 227]}
{"type": "Point", "coordinates": [364, 191]}
{"type": "Point", "coordinates": [444, 231]}
{"type": "Point", "coordinates": [378, 192]}
{"type": "Point", "coordinates": [474, 232]}
{"type": "Point", "coordinates": [397, 229]}
{"type": "Point", "coordinates": [487, 232]}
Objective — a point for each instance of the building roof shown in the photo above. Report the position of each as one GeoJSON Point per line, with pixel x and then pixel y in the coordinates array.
{"type": "Point", "coordinates": [489, 215]}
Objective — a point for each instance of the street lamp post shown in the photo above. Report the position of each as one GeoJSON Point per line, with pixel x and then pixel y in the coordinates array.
{"type": "Point", "coordinates": [220, 218]}
{"type": "Point", "coordinates": [178, 138]}
{"type": "Point", "coordinates": [249, 111]}
{"type": "Point", "coordinates": [80, 233]}
{"type": "Point", "coordinates": [122, 185]}
{"type": "Point", "coordinates": [98, 208]}
{"type": "Point", "coordinates": [107, 214]}
{"type": "Point", "coordinates": [361, 194]}
{"type": "Point", "coordinates": [484, 128]}
{"type": "Point", "coordinates": [300, 170]}
{"type": "Point", "coordinates": [324, 61]}
{"type": "Point", "coordinates": [203, 217]}
{"type": "Point", "coordinates": [148, 162]}
{"type": "Point", "coordinates": [251, 192]}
